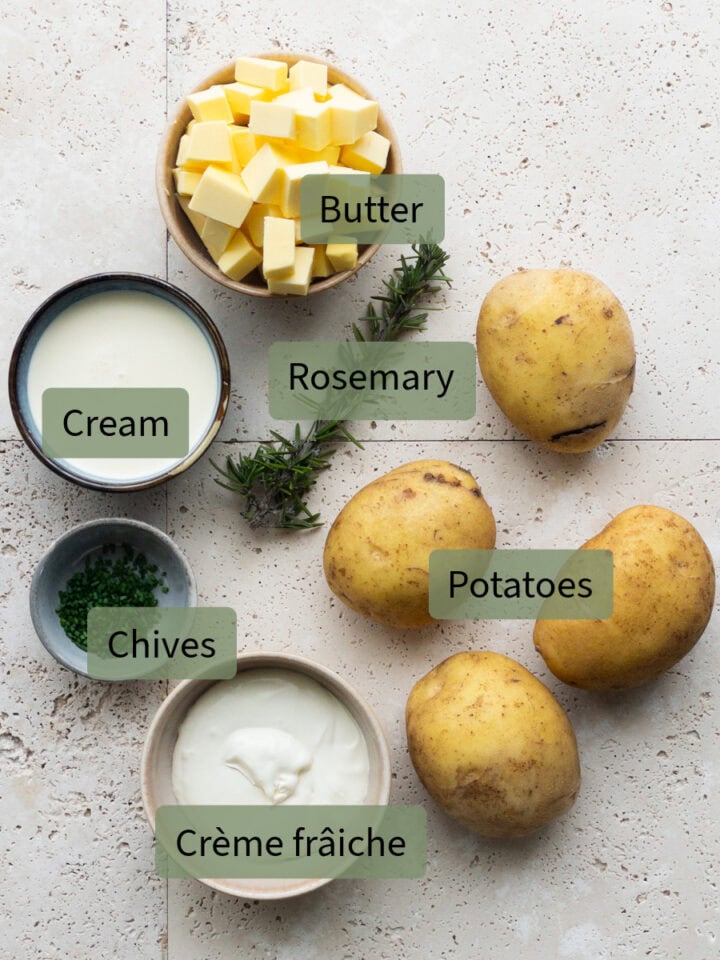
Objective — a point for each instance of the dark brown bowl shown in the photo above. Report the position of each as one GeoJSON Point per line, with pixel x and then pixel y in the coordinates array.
{"type": "Point", "coordinates": [183, 232]}
{"type": "Point", "coordinates": [46, 312]}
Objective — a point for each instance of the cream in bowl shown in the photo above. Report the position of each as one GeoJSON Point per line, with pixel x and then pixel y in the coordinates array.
{"type": "Point", "coordinates": [119, 331]}
{"type": "Point", "coordinates": [285, 731]}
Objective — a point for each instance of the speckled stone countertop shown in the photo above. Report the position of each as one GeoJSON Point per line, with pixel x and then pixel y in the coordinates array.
{"type": "Point", "coordinates": [568, 134]}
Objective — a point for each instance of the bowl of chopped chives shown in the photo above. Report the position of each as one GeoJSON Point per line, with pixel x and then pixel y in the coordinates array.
{"type": "Point", "coordinates": [111, 562]}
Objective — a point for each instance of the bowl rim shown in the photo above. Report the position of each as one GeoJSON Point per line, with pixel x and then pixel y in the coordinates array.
{"type": "Point", "coordinates": [177, 121]}
{"type": "Point", "coordinates": [56, 652]}
{"type": "Point", "coordinates": [259, 659]}
{"type": "Point", "coordinates": [100, 281]}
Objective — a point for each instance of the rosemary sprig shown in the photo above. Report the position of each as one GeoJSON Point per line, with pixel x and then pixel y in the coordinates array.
{"type": "Point", "coordinates": [275, 480]}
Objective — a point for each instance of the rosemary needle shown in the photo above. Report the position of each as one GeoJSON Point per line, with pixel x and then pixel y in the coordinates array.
{"type": "Point", "coordinates": [274, 481]}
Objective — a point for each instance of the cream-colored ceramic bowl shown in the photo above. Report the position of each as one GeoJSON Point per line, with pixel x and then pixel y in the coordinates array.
{"type": "Point", "coordinates": [183, 232]}
{"type": "Point", "coordinates": [160, 742]}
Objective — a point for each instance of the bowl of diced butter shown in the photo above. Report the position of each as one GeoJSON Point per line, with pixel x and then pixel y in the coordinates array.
{"type": "Point", "coordinates": [233, 157]}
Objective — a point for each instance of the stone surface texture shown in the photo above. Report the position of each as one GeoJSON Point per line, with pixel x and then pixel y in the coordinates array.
{"type": "Point", "coordinates": [568, 134]}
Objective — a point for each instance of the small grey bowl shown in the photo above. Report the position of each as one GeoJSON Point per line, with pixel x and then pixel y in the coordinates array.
{"type": "Point", "coordinates": [67, 555]}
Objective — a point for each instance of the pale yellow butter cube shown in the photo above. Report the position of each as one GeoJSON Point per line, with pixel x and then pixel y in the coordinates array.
{"type": "Point", "coordinates": [297, 281]}
{"type": "Point", "coordinates": [186, 181]}
{"type": "Point", "coordinates": [222, 195]}
{"type": "Point", "coordinates": [240, 95]}
{"type": "Point", "coordinates": [216, 236]}
{"type": "Point", "coordinates": [196, 219]}
{"type": "Point", "coordinates": [321, 266]}
{"type": "Point", "coordinates": [290, 197]}
{"type": "Point", "coordinates": [264, 174]}
{"type": "Point", "coordinates": [307, 74]}
{"type": "Point", "coordinates": [297, 154]}
{"type": "Point", "coordinates": [239, 258]}
{"type": "Point", "coordinates": [296, 98]}
{"type": "Point", "coordinates": [369, 153]}
{"type": "Point", "coordinates": [209, 143]}
{"type": "Point", "coordinates": [244, 145]}
{"type": "Point", "coordinates": [272, 119]}
{"type": "Point", "coordinates": [210, 104]}
{"type": "Point", "coordinates": [254, 225]}
{"type": "Point", "coordinates": [258, 72]}
{"type": "Point", "coordinates": [278, 247]}
{"type": "Point", "coordinates": [351, 117]}
{"type": "Point", "coordinates": [342, 256]}
{"type": "Point", "coordinates": [183, 154]}
{"type": "Point", "coordinates": [313, 126]}
{"type": "Point", "coordinates": [341, 90]}
{"type": "Point", "coordinates": [339, 170]}
{"type": "Point", "coordinates": [330, 154]}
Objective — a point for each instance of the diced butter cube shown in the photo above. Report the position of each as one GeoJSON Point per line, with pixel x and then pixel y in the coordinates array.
{"type": "Point", "coordinates": [264, 174]}
{"type": "Point", "coordinates": [351, 117]}
{"type": "Point", "coordinates": [210, 104]}
{"type": "Point", "coordinates": [254, 225]}
{"type": "Point", "coordinates": [313, 126]}
{"type": "Point", "coordinates": [183, 154]}
{"type": "Point", "coordinates": [341, 90]}
{"type": "Point", "coordinates": [196, 219]}
{"type": "Point", "coordinates": [209, 143]}
{"type": "Point", "coordinates": [298, 281]}
{"type": "Point", "coordinates": [342, 256]}
{"type": "Point", "coordinates": [310, 230]}
{"type": "Point", "coordinates": [186, 181]}
{"type": "Point", "coordinates": [216, 236]}
{"type": "Point", "coordinates": [258, 72]}
{"type": "Point", "coordinates": [343, 171]}
{"type": "Point", "coordinates": [272, 119]}
{"type": "Point", "coordinates": [290, 197]}
{"type": "Point", "coordinates": [307, 74]}
{"type": "Point", "coordinates": [321, 266]}
{"type": "Point", "coordinates": [278, 247]}
{"type": "Point", "coordinates": [330, 154]}
{"type": "Point", "coordinates": [297, 154]}
{"type": "Point", "coordinates": [222, 196]}
{"type": "Point", "coordinates": [239, 258]}
{"type": "Point", "coordinates": [240, 95]}
{"type": "Point", "coordinates": [296, 98]}
{"type": "Point", "coordinates": [244, 145]}
{"type": "Point", "coordinates": [369, 153]}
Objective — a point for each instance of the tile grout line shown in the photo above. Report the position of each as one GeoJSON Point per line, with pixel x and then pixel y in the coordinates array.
{"type": "Point", "coordinates": [165, 491]}
{"type": "Point", "coordinates": [234, 440]}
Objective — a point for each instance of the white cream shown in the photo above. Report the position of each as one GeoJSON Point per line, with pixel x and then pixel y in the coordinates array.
{"type": "Point", "coordinates": [270, 736]}
{"type": "Point", "coordinates": [126, 338]}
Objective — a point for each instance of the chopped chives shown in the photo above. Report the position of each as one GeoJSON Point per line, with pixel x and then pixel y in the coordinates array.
{"type": "Point", "coordinates": [127, 580]}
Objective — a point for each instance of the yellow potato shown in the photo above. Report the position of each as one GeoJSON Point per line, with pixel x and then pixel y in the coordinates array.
{"type": "Point", "coordinates": [491, 745]}
{"type": "Point", "coordinates": [556, 352]}
{"type": "Point", "coordinates": [663, 593]}
{"type": "Point", "coordinates": [378, 550]}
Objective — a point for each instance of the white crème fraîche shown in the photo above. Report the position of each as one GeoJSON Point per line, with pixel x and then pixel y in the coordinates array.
{"type": "Point", "coordinates": [270, 736]}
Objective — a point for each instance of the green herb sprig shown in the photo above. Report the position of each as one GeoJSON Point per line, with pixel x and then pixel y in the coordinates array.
{"type": "Point", "coordinates": [275, 481]}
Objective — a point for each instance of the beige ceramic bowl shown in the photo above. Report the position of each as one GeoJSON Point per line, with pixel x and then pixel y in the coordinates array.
{"type": "Point", "coordinates": [160, 742]}
{"type": "Point", "coordinates": [183, 232]}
